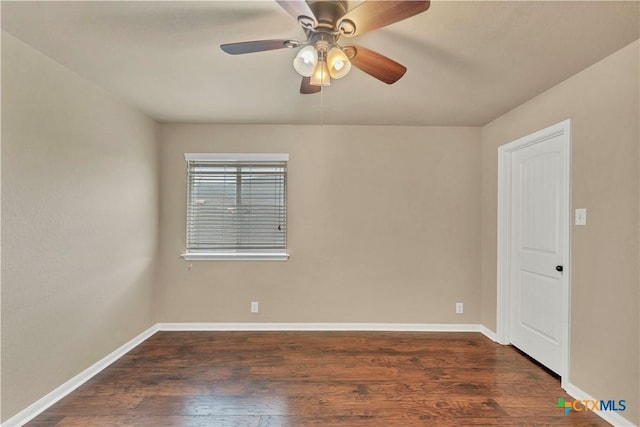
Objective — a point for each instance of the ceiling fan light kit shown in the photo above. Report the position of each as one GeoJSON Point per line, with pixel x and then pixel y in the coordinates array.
{"type": "Point", "coordinates": [321, 58]}
{"type": "Point", "coordinates": [322, 62]}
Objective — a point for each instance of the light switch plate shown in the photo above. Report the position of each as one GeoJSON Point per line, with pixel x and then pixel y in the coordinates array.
{"type": "Point", "coordinates": [581, 216]}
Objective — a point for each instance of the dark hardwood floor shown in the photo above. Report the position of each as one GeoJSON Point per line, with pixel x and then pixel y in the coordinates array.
{"type": "Point", "coordinates": [346, 379]}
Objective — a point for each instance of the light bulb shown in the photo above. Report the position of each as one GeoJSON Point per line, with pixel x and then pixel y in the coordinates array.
{"type": "Point", "coordinates": [307, 57]}
{"type": "Point", "coordinates": [306, 61]}
{"type": "Point", "coordinates": [339, 64]}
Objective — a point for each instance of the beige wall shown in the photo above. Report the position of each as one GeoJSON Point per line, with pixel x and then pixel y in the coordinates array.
{"type": "Point", "coordinates": [603, 104]}
{"type": "Point", "coordinates": [79, 209]}
{"type": "Point", "coordinates": [383, 227]}
{"type": "Point", "coordinates": [0, 253]}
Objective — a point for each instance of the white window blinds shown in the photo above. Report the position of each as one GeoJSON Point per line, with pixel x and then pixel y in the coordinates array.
{"type": "Point", "coordinates": [236, 204]}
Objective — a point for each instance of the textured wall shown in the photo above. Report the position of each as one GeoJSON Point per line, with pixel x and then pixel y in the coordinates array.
{"type": "Point", "coordinates": [384, 226]}
{"type": "Point", "coordinates": [603, 104]}
{"type": "Point", "coordinates": [79, 209]}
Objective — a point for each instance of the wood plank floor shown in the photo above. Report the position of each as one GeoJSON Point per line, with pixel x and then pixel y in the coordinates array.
{"type": "Point", "coordinates": [346, 379]}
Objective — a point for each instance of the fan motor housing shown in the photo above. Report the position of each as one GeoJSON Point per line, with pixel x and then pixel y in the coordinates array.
{"type": "Point", "coordinates": [328, 12]}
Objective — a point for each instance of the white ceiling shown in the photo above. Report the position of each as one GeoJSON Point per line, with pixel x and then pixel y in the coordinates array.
{"type": "Point", "coordinates": [468, 62]}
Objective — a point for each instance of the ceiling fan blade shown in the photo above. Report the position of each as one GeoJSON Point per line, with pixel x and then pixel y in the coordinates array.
{"type": "Point", "coordinates": [307, 88]}
{"type": "Point", "coordinates": [297, 9]}
{"type": "Point", "coordinates": [370, 15]}
{"type": "Point", "coordinates": [257, 46]}
{"type": "Point", "coordinates": [377, 65]}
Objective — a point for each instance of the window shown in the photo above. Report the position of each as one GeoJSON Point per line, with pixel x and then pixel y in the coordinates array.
{"type": "Point", "coordinates": [236, 206]}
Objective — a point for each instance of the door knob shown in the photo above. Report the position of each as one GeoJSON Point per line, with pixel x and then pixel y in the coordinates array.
{"type": "Point", "coordinates": [559, 268]}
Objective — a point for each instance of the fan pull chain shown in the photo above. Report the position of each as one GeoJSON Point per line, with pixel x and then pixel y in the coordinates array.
{"type": "Point", "coordinates": [321, 108]}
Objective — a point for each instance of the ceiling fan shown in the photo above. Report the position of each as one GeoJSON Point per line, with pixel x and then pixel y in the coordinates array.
{"type": "Point", "coordinates": [324, 23]}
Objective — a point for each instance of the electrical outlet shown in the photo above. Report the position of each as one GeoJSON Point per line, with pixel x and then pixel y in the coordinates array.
{"type": "Point", "coordinates": [459, 308]}
{"type": "Point", "coordinates": [254, 306]}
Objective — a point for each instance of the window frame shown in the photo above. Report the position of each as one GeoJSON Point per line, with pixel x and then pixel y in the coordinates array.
{"type": "Point", "coordinates": [234, 254]}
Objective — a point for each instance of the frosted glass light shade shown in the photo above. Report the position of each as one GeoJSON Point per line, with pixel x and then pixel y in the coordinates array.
{"type": "Point", "coordinates": [321, 76]}
{"type": "Point", "coordinates": [339, 64]}
{"type": "Point", "coordinates": [306, 61]}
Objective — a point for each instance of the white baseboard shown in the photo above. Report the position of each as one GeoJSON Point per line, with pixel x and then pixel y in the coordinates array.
{"type": "Point", "coordinates": [375, 327]}
{"type": "Point", "coordinates": [380, 327]}
{"type": "Point", "coordinates": [51, 398]}
{"type": "Point", "coordinates": [613, 418]}
{"type": "Point", "coordinates": [489, 333]}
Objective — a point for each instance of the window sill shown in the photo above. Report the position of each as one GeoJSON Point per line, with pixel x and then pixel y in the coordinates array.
{"type": "Point", "coordinates": [236, 256]}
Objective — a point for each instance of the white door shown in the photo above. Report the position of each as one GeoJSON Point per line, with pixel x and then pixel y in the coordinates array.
{"type": "Point", "coordinates": [539, 217]}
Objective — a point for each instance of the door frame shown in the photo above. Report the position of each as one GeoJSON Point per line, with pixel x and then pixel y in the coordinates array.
{"type": "Point", "coordinates": [503, 321]}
